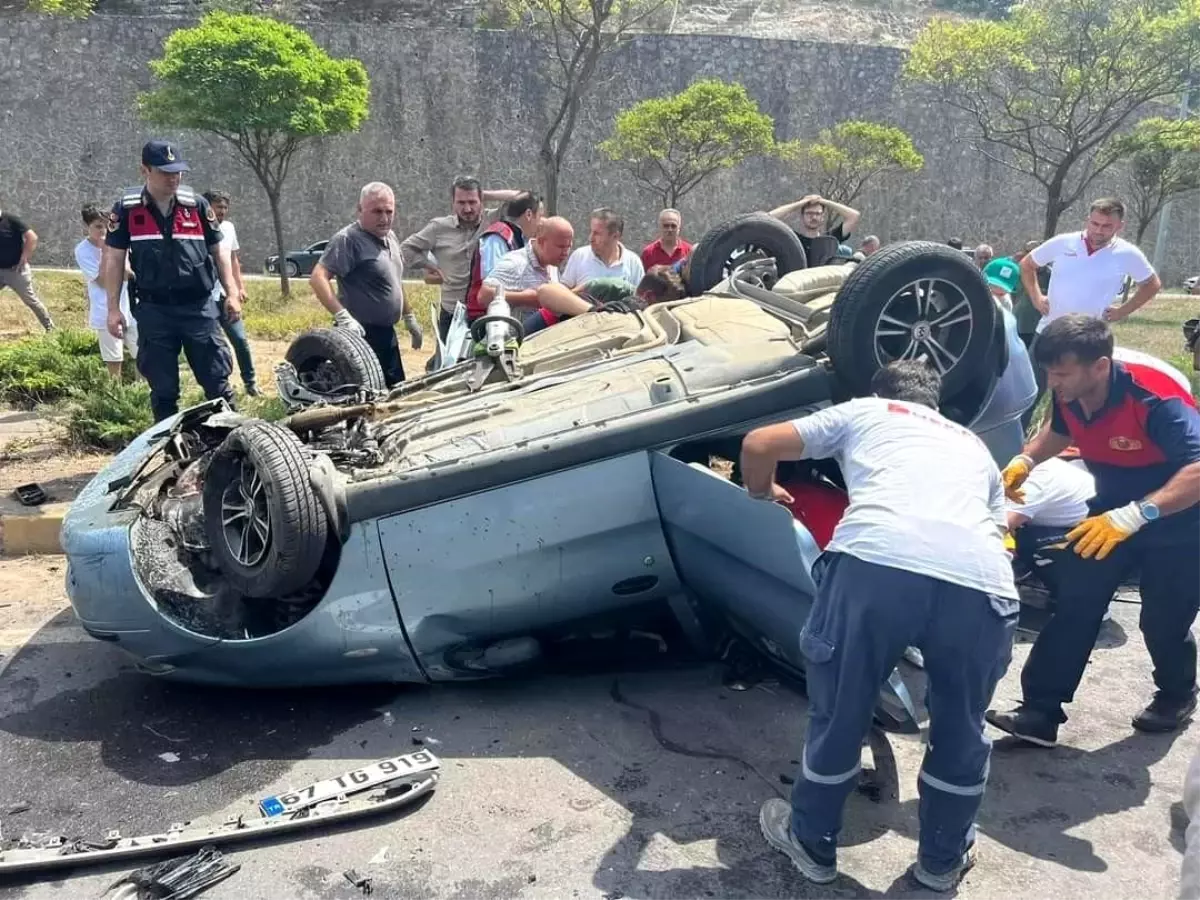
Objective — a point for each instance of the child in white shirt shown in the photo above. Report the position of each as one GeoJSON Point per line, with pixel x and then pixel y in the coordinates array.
{"type": "Point", "coordinates": [88, 253]}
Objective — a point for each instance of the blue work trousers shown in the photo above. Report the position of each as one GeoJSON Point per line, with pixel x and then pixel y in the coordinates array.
{"type": "Point", "coordinates": [165, 329]}
{"type": "Point", "coordinates": [1083, 588]}
{"type": "Point", "coordinates": [864, 617]}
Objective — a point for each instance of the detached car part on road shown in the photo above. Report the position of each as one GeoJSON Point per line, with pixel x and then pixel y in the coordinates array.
{"type": "Point", "coordinates": [471, 522]}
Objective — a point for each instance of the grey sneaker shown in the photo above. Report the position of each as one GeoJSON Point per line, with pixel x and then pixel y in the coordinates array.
{"type": "Point", "coordinates": [947, 881]}
{"type": "Point", "coordinates": [775, 819]}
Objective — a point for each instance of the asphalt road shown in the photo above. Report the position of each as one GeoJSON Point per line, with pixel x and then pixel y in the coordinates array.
{"type": "Point", "coordinates": [642, 780]}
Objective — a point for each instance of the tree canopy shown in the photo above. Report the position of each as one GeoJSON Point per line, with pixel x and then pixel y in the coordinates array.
{"type": "Point", "coordinates": [1046, 87]}
{"type": "Point", "coordinates": [260, 84]}
{"type": "Point", "coordinates": [672, 144]}
{"type": "Point", "coordinates": [1164, 162]}
{"type": "Point", "coordinates": [573, 36]}
{"type": "Point", "coordinates": [851, 154]}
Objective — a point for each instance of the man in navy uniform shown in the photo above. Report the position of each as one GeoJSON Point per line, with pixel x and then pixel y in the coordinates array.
{"type": "Point", "coordinates": [1138, 431]}
{"type": "Point", "coordinates": [174, 244]}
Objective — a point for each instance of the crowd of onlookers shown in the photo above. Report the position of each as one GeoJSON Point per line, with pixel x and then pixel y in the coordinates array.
{"type": "Point", "coordinates": [491, 241]}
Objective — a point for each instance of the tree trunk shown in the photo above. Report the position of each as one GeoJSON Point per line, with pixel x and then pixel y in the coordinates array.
{"type": "Point", "coordinates": [1143, 225]}
{"type": "Point", "coordinates": [277, 220]}
{"type": "Point", "coordinates": [1054, 209]}
{"type": "Point", "coordinates": [550, 180]}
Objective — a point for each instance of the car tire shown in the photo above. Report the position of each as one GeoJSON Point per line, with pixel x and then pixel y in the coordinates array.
{"type": "Point", "coordinates": [897, 282]}
{"type": "Point", "coordinates": [706, 267]}
{"type": "Point", "coordinates": [330, 358]}
{"type": "Point", "coordinates": [293, 269]}
{"type": "Point", "coordinates": [264, 522]}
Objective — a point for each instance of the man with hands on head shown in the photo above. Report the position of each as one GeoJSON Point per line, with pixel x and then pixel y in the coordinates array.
{"type": "Point", "coordinates": [366, 260]}
{"type": "Point", "coordinates": [1138, 431]}
{"type": "Point", "coordinates": [918, 559]}
{"type": "Point", "coordinates": [813, 209]}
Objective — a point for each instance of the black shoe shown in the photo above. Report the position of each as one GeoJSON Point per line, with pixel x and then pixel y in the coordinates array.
{"type": "Point", "coordinates": [252, 390]}
{"type": "Point", "coordinates": [1027, 724]}
{"type": "Point", "coordinates": [1164, 714]}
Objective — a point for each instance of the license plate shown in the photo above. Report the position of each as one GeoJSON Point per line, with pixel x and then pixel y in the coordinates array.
{"type": "Point", "coordinates": [349, 783]}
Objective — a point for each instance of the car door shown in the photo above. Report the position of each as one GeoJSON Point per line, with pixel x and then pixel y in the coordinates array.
{"type": "Point", "coordinates": [749, 563]}
{"type": "Point", "coordinates": [746, 560]}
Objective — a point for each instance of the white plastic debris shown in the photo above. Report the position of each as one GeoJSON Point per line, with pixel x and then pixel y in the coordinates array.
{"type": "Point", "coordinates": [169, 757]}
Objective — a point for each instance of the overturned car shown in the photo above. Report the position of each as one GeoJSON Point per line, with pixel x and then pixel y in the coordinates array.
{"type": "Point", "coordinates": [468, 523]}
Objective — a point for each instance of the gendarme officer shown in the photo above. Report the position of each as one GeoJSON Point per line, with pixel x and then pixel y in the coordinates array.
{"type": "Point", "coordinates": [174, 244]}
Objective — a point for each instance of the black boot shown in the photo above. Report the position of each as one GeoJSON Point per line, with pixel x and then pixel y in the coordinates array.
{"type": "Point", "coordinates": [1026, 723]}
{"type": "Point", "coordinates": [1165, 714]}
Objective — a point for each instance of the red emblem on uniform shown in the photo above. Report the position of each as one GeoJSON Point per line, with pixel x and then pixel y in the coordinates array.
{"type": "Point", "coordinates": [1124, 444]}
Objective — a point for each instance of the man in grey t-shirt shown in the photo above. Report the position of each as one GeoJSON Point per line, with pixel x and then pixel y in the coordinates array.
{"type": "Point", "coordinates": [365, 259]}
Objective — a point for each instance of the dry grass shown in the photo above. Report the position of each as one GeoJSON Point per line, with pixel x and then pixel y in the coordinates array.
{"type": "Point", "coordinates": [1157, 329]}
{"type": "Point", "coordinates": [269, 315]}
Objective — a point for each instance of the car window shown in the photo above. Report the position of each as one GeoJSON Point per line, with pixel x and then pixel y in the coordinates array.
{"type": "Point", "coordinates": [318, 247]}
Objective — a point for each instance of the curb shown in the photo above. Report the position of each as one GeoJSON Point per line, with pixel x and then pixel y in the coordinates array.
{"type": "Point", "coordinates": [24, 535]}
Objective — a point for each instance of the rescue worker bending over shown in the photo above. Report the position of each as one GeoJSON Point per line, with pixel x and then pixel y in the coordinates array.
{"type": "Point", "coordinates": [1138, 431]}
{"type": "Point", "coordinates": [918, 559]}
{"type": "Point", "coordinates": [174, 246]}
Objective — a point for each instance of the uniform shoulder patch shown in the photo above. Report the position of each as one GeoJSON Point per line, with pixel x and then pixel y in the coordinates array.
{"type": "Point", "coordinates": [211, 216]}
{"type": "Point", "coordinates": [132, 198]}
{"type": "Point", "coordinates": [185, 196]}
{"type": "Point", "coordinates": [114, 221]}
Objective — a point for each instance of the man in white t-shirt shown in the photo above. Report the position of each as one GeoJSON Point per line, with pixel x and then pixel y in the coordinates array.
{"type": "Point", "coordinates": [918, 559]}
{"type": "Point", "coordinates": [1057, 498]}
{"type": "Point", "coordinates": [88, 253]}
{"type": "Point", "coordinates": [604, 256]}
{"type": "Point", "coordinates": [235, 330]}
{"type": "Point", "coordinates": [1089, 268]}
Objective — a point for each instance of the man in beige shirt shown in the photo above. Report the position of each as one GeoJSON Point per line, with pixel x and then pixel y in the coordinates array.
{"type": "Point", "coordinates": [451, 240]}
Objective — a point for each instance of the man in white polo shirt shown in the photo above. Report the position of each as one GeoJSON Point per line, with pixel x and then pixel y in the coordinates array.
{"type": "Point", "coordinates": [604, 256]}
{"type": "Point", "coordinates": [1089, 269]}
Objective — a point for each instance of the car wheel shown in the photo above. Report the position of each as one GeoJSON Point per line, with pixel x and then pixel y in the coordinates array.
{"type": "Point", "coordinates": [264, 522]}
{"type": "Point", "coordinates": [293, 270]}
{"type": "Point", "coordinates": [331, 359]}
{"type": "Point", "coordinates": [911, 300]}
{"type": "Point", "coordinates": [742, 238]}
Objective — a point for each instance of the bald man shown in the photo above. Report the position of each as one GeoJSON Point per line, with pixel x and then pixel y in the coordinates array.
{"type": "Point", "coordinates": [365, 259]}
{"type": "Point", "coordinates": [522, 272]}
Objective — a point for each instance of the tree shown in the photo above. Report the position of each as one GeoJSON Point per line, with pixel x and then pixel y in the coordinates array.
{"type": "Point", "coordinates": [1164, 162]}
{"type": "Point", "coordinates": [262, 85]}
{"type": "Point", "coordinates": [853, 153]}
{"type": "Point", "coordinates": [572, 36]}
{"type": "Point", "coordinates": [671, 144]}
{"type": "Point", "coordinates": [75, 9]}
{"type": "Point", "coordinates": [1047, 87]}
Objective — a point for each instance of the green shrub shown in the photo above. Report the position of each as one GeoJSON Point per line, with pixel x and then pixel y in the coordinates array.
{"type": "Point", "coordinates": [47, 368]}
{"type": "Point", "coordinates": [109, 415]}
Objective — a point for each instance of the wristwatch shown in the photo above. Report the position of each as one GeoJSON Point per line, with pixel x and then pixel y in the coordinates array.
{"type": "Point", "coordinates": [1149, 510]}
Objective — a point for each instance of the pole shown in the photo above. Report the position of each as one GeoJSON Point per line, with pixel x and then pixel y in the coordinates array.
{"type": "Point", "coordinates": [1164, 219]}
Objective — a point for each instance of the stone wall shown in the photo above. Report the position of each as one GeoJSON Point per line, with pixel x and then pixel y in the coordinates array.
{"type": "Point", "coordinates": [451, 101]}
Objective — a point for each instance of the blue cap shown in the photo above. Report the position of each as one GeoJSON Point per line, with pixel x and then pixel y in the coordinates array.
{"type": "Point", "coordinates": [163, 155]}
{"type": "Point", "coordinates": [845, 251]}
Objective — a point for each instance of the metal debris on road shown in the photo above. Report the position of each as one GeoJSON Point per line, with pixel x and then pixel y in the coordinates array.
{"type": "Point", "coordinates": [176, 879]}
{"type": "Point", "coordinates": [359, 881]}
{"type": "Point", "coordinates": [19, 808]}
{"type": "Point", "coordinates": [45, 851]}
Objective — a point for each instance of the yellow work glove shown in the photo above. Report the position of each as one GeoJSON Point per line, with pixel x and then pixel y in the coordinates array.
{"type": "Point", "coordinates": [1014, 476]}
{"type": "Point", "coordinates": [1097, 535]}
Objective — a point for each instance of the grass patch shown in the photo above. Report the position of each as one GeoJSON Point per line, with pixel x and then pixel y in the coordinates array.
{"type": "Point", "coordinates": [110, 415]}
{"type": "Point", "coordinates": [46, 369]}
{"type": "Point", "coordinates": [269, 315]}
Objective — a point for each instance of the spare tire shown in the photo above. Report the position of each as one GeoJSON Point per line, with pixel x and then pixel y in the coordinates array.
{"type": "Point", "coordinates": [264, 522]}
{"type": "Point", "coordinates": [912, 299]}
{"type": "Point", "coordinates": [741, 238]}
{"type": "Point", "coordinates": [334, 360]}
